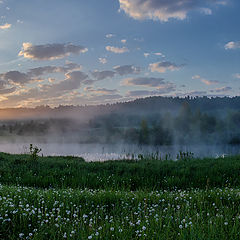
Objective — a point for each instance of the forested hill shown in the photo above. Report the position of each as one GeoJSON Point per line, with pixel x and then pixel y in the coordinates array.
{"type": "Point", "coordinates": [142, 105]}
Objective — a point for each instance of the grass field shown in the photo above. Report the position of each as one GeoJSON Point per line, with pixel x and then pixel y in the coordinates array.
{"type": "Point", "coordinates": [67, 198]}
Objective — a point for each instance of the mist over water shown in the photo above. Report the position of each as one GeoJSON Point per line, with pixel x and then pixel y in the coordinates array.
{"type": "Point", "coordinates": [206, 127]}
{"type": "Point", "coordinates": [103, 152]}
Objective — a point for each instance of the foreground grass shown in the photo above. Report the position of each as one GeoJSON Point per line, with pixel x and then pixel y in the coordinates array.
{"type": "Point", "coordinates": [147, 174]}
{"type": "Point", "coordinates": [67, 198]}
{"type": "Point", "coordinates": [27, 213]}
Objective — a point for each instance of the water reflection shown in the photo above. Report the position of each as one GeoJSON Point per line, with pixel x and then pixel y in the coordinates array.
{"type": "Point", "coordinates": [101, 152]}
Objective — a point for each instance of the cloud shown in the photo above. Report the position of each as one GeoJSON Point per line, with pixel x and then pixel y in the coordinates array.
{"type": "Point", "coordinates": [5, 26]}
{"type": "Point", "coordinates": [205, 81]}
{"type": "Point", "coordinates": [89, 82]}
{"type": "Point", "coordinates": [50, 51]}
{"type": "Point", "coordinates": [236, 75]}
{"type": "Point", "coordinates": [206, 11]}
{"type": "Point", "coordinates": [163, 10]}
{"type": "Point", "coordinates": [102, 60]}
{"type": "Point", "coordinates": [101, 75]}
{"type": "Point", "coordinates": [102, 91]}
{"type": "Point", "coordinates": [222, 89]}
{"type": "Point", "coordinates": [162, 67]}
{"type": "Point", "coordinates": [223, 2]}
{"type": "Point", "coordinates": [110, 35]}
{"type": "Point", "coordinates": [141, 93]}
{"type": "Point", "coordinates": [62, 86]}
{"type": "Point", "coordinates": [156, 54]}
{"type": "Point", "coordinates": [140, 39]}
{"type": "Point", "coordinates": [39, 71]}
{"type": "Point", "coordinates": [208, 82]}
{"type": "Point", "coordinates": [19, 21]}
{"type": "Point", "coordinates": [196, 77]}
{"type": "Point", "coordinates": [7, 90]}
{"type": "Point", "coordinates": [159, 54]}
{"type": "Point", "coordinates": [21, 79]}
{"type": "Point", "coordinates": [76, 76]}
{"type": "Point", "coordinates": [117, 49]}
{"type": "Point", "coordinates": [232, 45]}
{"type": "Point", "coordinates": [126, 69]}
{"type": "Point", "coordinates": [72, 81]}
{"type": "Point", "coordinates": [15, 77]}
{"type": "Point", "coordinates": [144, 81]}
{"type": "Point", "coordinates": [55, 91]}
{"type": "Point", "coordinates": [196, 93]}
{"type": "Point", "coordinates": [105, 97]}
{"type": "Point", "coordinates": [4, 89]}
{"type": "Point", "coordinates": [70, 66]}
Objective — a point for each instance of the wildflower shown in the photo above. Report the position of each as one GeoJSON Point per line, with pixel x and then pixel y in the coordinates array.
{"type": "Point", "coordinates": [21, 235]}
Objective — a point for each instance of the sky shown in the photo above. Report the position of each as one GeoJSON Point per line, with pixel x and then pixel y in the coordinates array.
{"type": "Point", "coordinates": [78, 52]}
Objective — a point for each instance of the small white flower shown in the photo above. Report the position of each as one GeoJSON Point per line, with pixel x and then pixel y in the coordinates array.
{"type": "Point", "coordinates": [21, 235]}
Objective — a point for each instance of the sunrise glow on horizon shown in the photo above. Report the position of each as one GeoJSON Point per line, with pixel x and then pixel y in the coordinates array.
{"type": "Point", "coordinates": [94, 52]}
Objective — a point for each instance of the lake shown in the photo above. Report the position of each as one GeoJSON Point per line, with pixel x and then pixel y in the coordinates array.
{"type": "Point", "coordinates": [102, 152]}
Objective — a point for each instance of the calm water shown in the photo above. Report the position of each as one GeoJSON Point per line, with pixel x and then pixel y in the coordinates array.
{"type": "Point", "coordinates": [100, 152]}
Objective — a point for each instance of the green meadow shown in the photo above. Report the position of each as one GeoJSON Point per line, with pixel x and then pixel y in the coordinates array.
{"type": "Point", "coordinates": [148, 198]}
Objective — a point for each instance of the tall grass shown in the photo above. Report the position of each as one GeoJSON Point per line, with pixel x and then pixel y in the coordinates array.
{"type": "Point", "coordinates": [27, 213]}
{"type": "Point", "coordinates": [68, 198]}
{"type": "Point", "coordinates": [148, 174]}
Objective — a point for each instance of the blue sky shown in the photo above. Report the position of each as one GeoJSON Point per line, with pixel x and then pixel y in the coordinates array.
{"type": "Point", "coordinates": [92, 52]}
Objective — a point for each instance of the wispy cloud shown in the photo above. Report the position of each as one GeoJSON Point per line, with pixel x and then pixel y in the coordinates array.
{"type": "Point", "coordinates": [102, 60]}
{"type": "Point", "coordinates": [220, 90]}
{"type": "Point", "coordinates": [110, 35]}
{"type": "Point", "coordinates": [204, 80]}
{"type": "Point", "coordinates": [5, 26]}
{"type": "Point", "coordinates": [50, 51]}
{"type": "Point", "coordinates": [208, 82]}
{"type": "Point", "coordinates": [100, 91]}
{"type": "Point", "coordinates": [236, 75]}
{"type": "Point", "coordinates": [101, 75]}
{"type": "Point", "coordinates": [68, 67]}
{"type": "Point", "coordinates": [232, 45]}
{"type": "Point", "coordinates": [144, 81]}
{"type": "Point", "coordinates": [127, 69]}
{"type": "Point", "coordinates": [118, 50]}
{"type": "Point", "coordinates": [15, 77]}
{"type": "Point", "coordinates": [206, 11]}
{"type": "Point", "coordinates": [144, 93]}
{"type": "Point", "coordinates": [164, 10]}
{"type": "Point", "coordinates": [163, 66]}
{"type": "Point", "coordinates": [159, 54]}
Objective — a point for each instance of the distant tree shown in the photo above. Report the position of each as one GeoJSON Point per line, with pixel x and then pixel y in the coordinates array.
{"type": "Point", "coordinates": [183, 120]}
{"type": "Point", "coordinates": [161, 136]}
{"type": "Point", "coordinates": [144, 133]}
{"type": "Point", "coordinates": [208, 124]}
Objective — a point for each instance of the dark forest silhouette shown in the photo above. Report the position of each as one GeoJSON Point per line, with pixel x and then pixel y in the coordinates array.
{"type": "Point", "coordinates": [151, 121]}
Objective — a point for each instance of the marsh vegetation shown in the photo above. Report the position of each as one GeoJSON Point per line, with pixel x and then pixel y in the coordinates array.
{"type": "Point", "coordinates": [148, 198]}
